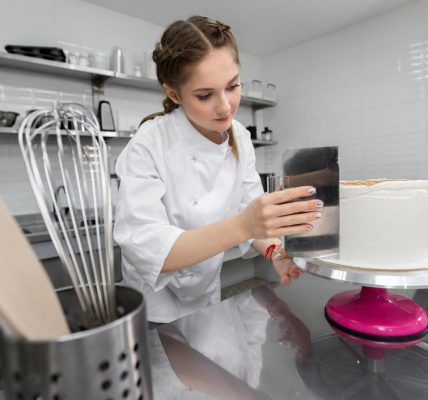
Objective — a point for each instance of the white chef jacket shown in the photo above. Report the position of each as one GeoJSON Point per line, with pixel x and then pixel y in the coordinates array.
{"type": "Point", "coordinates": [173, 179]}
{"type": "Point", "coordinates": [230, 334]}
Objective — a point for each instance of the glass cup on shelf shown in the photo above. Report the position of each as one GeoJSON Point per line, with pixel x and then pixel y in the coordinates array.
{"type": "Point", "coordinates": [83, 60]}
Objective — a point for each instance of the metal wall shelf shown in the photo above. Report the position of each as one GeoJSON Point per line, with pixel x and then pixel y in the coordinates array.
{"type": "Point", "coordinates": [99, 77]}
{"type": "Point", "coordinates": [258, 142]}
{"type": "Point", "coordinates": [105, 134]}
{"type": "Point", "coordinates": [126, 135]}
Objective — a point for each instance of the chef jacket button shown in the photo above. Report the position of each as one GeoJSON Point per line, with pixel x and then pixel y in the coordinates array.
{"type": "Point", "coordinates": [194, 158]}
{"type": "Point", "coordinates": [195, 203]}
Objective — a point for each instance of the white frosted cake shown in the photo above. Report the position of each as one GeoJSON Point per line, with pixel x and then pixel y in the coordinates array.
{"type": "Point", "coordinates": [384, 223]}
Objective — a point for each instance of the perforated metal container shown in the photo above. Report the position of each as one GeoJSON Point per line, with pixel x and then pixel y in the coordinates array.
{"type": "Point", "coordinates": [110, 362]}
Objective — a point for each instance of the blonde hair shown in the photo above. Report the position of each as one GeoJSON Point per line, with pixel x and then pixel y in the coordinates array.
{"type": "Point", "coordinates": [183, 44]}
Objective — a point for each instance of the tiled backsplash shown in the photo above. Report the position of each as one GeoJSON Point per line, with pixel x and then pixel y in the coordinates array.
{"type": "Point", "coordinates": [363, 88]}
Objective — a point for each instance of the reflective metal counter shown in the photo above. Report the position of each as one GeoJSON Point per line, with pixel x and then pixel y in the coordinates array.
{"type": "Point", "coordinates": [235, 350]}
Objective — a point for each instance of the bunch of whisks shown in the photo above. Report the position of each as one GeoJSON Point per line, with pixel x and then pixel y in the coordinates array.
{"type": "Point", "coordinates": [63, 149]}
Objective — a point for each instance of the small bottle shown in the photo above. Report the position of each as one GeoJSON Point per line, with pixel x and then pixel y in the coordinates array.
{"type": "Point", "coordinates": [137, 71]}
{"type": "Point", "coordinates": [117, 62]}
{"type": "Point", "coordinates": [267, 134]}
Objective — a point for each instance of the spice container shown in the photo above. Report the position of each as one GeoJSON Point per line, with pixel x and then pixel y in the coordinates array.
{"type": "Point", "coordinates": [255, 89]}
{"type": "Point", "coordinates": [267, 134]}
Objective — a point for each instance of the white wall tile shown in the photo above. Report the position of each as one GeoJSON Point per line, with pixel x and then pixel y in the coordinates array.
{"type": "Point", "coordinates": [392, 90]}
{"type": "Point", "coordinates": [367, 94]}
{"type": "Point", "coordinates": [397, 120]}
{"type": "Point", "coordinates": [403, 26]}
{"type": "Point", "coordinates": [30, 23]}
{"type": "Point", "coordinates": [290, 71]}
{"type": "Point", "coordinates": [344, 71]}
{"type": "Point", "coordinates": [86, 26]}
{"type": "Point", "coordinates": [336, 46]}
{"type": "Point", "coordinates": [394, 156]}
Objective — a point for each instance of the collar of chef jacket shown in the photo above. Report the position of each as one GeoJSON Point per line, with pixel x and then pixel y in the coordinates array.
{"type": "Point", "coordinates": [200, 146]}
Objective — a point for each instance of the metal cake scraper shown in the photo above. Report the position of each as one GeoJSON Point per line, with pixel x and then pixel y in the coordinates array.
{"type": "Point", "coordinates": [317, 167]}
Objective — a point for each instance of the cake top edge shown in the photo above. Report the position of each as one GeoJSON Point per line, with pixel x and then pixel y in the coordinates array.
{"type": "Point", "coordinates": [369, 182]}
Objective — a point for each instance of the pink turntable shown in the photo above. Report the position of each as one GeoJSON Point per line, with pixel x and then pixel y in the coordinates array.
{"type": "Point", "coordinates": [381, 325]}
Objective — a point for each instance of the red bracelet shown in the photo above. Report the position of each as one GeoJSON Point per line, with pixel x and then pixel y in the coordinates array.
{"type": "Point", "coordinates": [270, 250]}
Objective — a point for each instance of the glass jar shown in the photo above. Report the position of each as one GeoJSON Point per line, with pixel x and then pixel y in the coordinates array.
{"type": "Point", "coordinates": [270, 92]}
{"type": "Point", "coordinates": [255, 89]}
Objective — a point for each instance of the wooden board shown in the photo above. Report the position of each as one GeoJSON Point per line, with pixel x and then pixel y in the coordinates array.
{"type": "Point", "coordinates": [28, 303]}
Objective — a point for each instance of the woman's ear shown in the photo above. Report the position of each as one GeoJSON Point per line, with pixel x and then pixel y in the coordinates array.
{"type": "Point", "coordinates": [171, 93]}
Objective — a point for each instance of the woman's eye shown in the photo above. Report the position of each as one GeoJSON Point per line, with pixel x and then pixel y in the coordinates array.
{"type": "Point", "coordinates": [204, 97]}
{"type": "Point", "coordinates": [233, 87]}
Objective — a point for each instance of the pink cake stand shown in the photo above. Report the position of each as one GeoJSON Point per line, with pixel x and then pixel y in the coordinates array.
{"type": "Point", "coordinates": [377, 320]}
{"type": "Point", "coordinates": [373, 317]}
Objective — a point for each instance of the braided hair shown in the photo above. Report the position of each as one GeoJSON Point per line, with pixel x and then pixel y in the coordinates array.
{"type": "Point", "coordinates": [186, 42]}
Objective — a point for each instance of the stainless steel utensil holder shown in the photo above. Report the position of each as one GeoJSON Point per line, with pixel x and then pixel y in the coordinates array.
{"type": "Point", "coordinates": [110, 362]}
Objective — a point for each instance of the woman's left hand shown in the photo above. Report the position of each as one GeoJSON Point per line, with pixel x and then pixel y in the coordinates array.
{"type": "Point", "coordinates": [284, 266]}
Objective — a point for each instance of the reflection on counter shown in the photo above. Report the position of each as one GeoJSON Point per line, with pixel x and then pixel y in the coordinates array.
{"type": "Point", "coordinates": [254, 346]}
{"type": "Point", "coordinates": [218, 353]}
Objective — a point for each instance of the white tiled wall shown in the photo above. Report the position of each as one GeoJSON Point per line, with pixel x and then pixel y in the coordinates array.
{"type": "Point", "coordinates": [84, 28]}
{"type": "Point", "coordinates": [362, 88]}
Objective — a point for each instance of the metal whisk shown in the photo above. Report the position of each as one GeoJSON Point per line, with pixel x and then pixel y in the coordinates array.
{"type": "Point", "coordinates": [62, 146]}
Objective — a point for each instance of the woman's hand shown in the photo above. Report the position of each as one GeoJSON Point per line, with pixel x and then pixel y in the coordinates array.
{"type": "Point", "coordinates": [284, 266]}
{"type": "Point", "coordinates": [281, 213]}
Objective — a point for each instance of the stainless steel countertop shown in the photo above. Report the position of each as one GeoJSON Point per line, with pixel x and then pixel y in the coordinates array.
{"type": "Point", "coordinates": [233, 348]}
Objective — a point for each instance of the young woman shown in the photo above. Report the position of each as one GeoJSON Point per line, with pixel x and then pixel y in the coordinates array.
{"type": "Point", "coordinates": [189, 189]}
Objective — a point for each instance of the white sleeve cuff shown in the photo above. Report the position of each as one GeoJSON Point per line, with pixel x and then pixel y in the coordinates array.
{"type": "Point", "coordinates": [247, 251]}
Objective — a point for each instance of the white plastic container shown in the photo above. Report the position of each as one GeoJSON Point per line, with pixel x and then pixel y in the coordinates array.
{"type": "Point", "coordinates": [269, 92]}
{"type": "Point", "coordinates": [98, 60]}
{"type": "Point", "coordinates": [255, 89]}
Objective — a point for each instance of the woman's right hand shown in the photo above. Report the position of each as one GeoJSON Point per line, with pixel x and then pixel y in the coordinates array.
{"type": "Point", "coordinates": [281, 213]}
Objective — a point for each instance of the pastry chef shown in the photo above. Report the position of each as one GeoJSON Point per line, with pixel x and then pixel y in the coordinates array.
{"type": "Point", "coordinates": [189, 189]}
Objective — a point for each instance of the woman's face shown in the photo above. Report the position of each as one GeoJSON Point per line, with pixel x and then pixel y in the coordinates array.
{"type": "Point", "coordinates": [212, 94]}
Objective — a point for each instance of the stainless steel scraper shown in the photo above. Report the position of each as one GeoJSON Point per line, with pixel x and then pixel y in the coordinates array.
{"type": "Point", "coordinates": [317, 167]}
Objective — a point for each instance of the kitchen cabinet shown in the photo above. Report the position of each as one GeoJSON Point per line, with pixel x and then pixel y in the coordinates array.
{"type": "Point", "coordinates": [100, 78]}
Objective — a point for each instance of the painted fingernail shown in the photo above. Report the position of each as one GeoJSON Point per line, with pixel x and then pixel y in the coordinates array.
{"type": "Point", "coordinates": [317, 215]}
{"type": "Point", "coordinates": [312, 190]}
{"type": "Point", "coordinates": [309, 227]}
{"type": "Point", "coordinates": [319, 204]}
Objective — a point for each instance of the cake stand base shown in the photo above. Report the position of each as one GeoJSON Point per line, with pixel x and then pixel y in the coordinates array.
{"type": "Point", "coordinates": [377, 319]}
